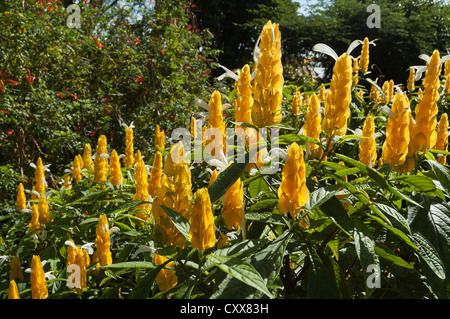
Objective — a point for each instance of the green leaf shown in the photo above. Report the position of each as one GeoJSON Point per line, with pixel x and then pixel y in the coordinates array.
{"type": "Point", "coordinates": [124, 206]}
{"type": "Point", "coordinates": [421, 183]}
{"type": "Point", "coordinates": [338, 215]}
{"type": "Point", "coordinates": [321, 283]}
{"type": "Point", "coordinates": [264, 205]}
{"type": "Point", "coordinates": [132, 264]}
{"type": "Point", "coordinates": [387, 210]}
{"type": "Point", "coordinates": [321, 195]}
{"type": "Point", "coordinates": [442, 174]}
{"type": "Point", "coordinates": [258, 187]}
{"type": "Point", "coordinates": [429, 255]}
{"type": "Point", "coordinates": [144, 285]}
{"type": "Point", "coordinates": [376, 176]}
{"type": "Point", "coordinates": [181, 223]}
{"type": "Point", "coordinates": [384, 253]}
{"type": "Point", "coordinates": [267, 262]}
{"type": "Point", "coordinates": [242, 271]}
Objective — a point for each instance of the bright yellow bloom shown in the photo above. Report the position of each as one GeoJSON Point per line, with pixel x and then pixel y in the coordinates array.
{"type": "Point", "coordinates": [233, 205]}
{"type": "Point", "coordinates": [175, 193]}
{"type": "Point", "coordinates": [410, 162]}
{"type": "Point", "coordinates": [202, 231]}
{"type": "Point", "coordinates": [447, 68]}
{"type": "Point", "coordinates": [101, 163]}
{"type": "Point", "coordinates": [216, 124]}
{"type": "Point", "coordinates": [364, 59]}
{"type": "Point", "coordinates": [77, 166]}
{"type": "Point", "coordinates": [166, 278]}
{"type": "Point", "coordinates": [67, 182]}
{"type": "Point", "coordinates": [388, 90]}
{"type": "Point", "coordinates": [34, 224]}
{"type": "Point", "coordinates": [367, 146]}
{"type": "Point", "coordinates": [155, 174]}
{"type": "Point", "coordinates": [411, 83]}
{"type": "Point", "coordinates": [129, 148]}
{"type": "Point", "coordinates": [243, 103]}
{"type": "Point", "coordinates": [293, 193]}
{"type": "Point", "coordinates": [296, 103]}
{"type": "Point", "coordinates": [21, 198]}
{"type": "Point", "coordinates": [213, 177]}
{"type": "Point", "coordinates": [39, 177]}
{"type": "Point", "coordinates": [115, 170]}
{"type": "Point", "coordinates": [426, 110]}
{"type": "Point", "coordinates": [447, 84]}
{"type": "Point", "coordinates": [355, 72]}
{"type": "Point", "coordinates": [160, 139]}
{"type": "Point", "coordinates": [337, 110]}
{"type": "Point", "coordinates": [322, 93]}
{"type": "Point", "coordinates": [44, 214]}
{"type": "Point", "coordinates": [193, 128]}
{"type": "Point", "coordinates": [87, 157]}
{"type": "Point", "coordinates": [80, 257]}
{"type": "Point", "coordinates": [16, 270]}
{"type": "Point", "coordinates": [395, 147]}
{"type": "Point", "coordinates": [269, 81]}
{"type": "Point", "coordinates": [141, 193]}
{"type": "Point", "coordinates": [38, 283]}
{"type": "Point", "coordinates": [102, 241]}
{"type": "Point", "coordinates": [13, 291]}
{"type": "Point", "coordinates": [312, 127]}
{"type": "Point", "coordinates": [374, 94]}
{"type": "Point", "coordinates": [442, 138]}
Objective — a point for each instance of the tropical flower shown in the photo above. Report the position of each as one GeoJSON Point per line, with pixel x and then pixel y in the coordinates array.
{"type": "Point", "coordinates": [101, 160]}
{"type": "Point", "coordinates": [160, 139]}
{"type": "Point", "coordinates": [21, 198]}
{"type": "Point", "coordinates": [442, 138]}
{"type": "Point", "coordinates": [166, 278]}
{"type": "Point", "coordinates": [202, 231]}
{"type": "Point", "coordinates": [155, 174]}
{"type": "Point", "coordinates": [293, 193]}
{"type": "Point", "coordinates": [13, 291]}
{"type": "Point", "coordinates": [102, 241]}
{"type": "Point", "coordinates": [268, 85]}
{"type": "Point", "coordinates": [129, 147]}
{"type": "Point", "coordinates": [16, 270]}
{"type": "Point", "coordinates": [38, 282]}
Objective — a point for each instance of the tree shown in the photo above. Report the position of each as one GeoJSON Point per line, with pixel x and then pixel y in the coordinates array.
{"type": "Point", "coordinates": [408, 29]}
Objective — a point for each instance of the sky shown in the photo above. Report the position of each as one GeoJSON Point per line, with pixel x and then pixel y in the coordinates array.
{"type": "Point", "coordinates": [304, 4]}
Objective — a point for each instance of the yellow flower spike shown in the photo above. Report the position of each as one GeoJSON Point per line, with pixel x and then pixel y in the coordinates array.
{"type": "Point", "coordinates": [374, 94]}
{"type": "Point", "coordinates": [395, 147]}
{"type": "Point", "coordinates": [76, 171]}
{"type": "Point", "coordinates": [129, 148]}
{"type": "Point", "coordinates": [101, 163]}
{"type": "Point", "coordinates": [296, 103]}
{"type": "Point", "coordinates": [427, 109]}
{"type": "Point", "coordinates": [293, 193]}
{"type": "Point", "coordinates": [38, 282]}
{"type": "Point", "coordinates": [411, 83]}
{"type": "Point", "coordinates": [269, 81]}
{"type": "Point", "coordinates": [67, 182]}
{"type": "Point", "coordinates": [410, 162]}
{"type": "Point", "coordinates": [337, 106]}
{"type": "Point", "coordinates": [44, 215]}
{"type": "Point", "coordinates": [367, 146]}
{"type": "Point", "coordinates": [16, 270]}
{"type": "Point", "coordinates": [364, 59]}
{"type": "Point", "coordinates": [79, 257]}
{"type": "Point", "coordinates": [141, 193]}
{"type": "Point", "coordinates": [447, 68]}
{"type": "Point", "coordinates": [88, 163]}
{"type": "Point", "coordinates": [21, 198]}
{"type": "Point", "coordinates": [102, 241]}
{"type": "Point", "coordinates": [420, 94]}
{"type": "Point", "coordinates": [243, 103]}
{"type": "Point", "coordinates": [202, 231]}
{"type": "Point", "coordinates": [442, 138]}
{"type": "Point", "coordinates": [160, 138]}
{"type": "Point", "coordinates": [388, 90]}
{"type": "Point", "coordinates": [13, 291]}
{"type": "Point", "coordinates": [355, 71]}
{"type": "Point", "coordinates": [312, 127]}
{"type": "Point", "coordinates": [322, 93]}
{"type": "Point", "coordinates": [193, 128]}
{"type": "Point", "coordinates": [115, 170]}
{"type": "Point", "coordinates": [175, 193]}
{"type": "Point", "coordinates": [233, 205]}
{"type": "Point", "coordinates": [447, 84]}
{"type": "Point", "coordinates": [34, 223]}
{"type": "Point", "coordinates": [215, 121]}
{"type": "Point", "coordinates": [39, 177]}
{"type": "Point", "coordinates": [155, 174]}
{"type": "Point", "coordinates": [166, 278]}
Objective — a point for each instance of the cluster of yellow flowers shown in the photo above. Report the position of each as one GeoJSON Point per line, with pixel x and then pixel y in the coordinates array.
{"type": "Point", "coordinates": [259, 97]}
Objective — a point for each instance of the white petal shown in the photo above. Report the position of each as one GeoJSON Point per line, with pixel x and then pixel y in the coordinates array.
{"type": "Point", "coordinates": [28, 270]}
{"type": "Point", "coordinates": [353, 45]}
{"type": "Point", "coordinates": [387, 110]}
{"type": "Point", "coordinates": [323, 48]}
{"type": "Point", "coordinates": [216, 163]}
{"type": "Point", "coordinates": [278, 152]}
{"type": "Point", "coordinates": [88, 247]}
{"type": "Point", "coordinates": [69, 243]}
{"type": "Point", "coordinates": [203, 104]}
{"type": "Point", "coordinates": [104, 155]}
{"type": "Point", "coordinates": [49, 275]}
{"type": "Point", "coordinates": [105, 228]}
{"type": "Point", "coordinates": [142, 249]}
{"type": "Point", "coordinates": [113, 230]}
{"type": "Point", "coordinates": [256, 51]}
{"type": "Point", "coordinates": [226, 106]}
{"type": "Point", "coordinates": [26, 210]}
{"type": "Point", "coordinates": [121, 156]}
{"type": "Point", "coordinates": [33, 165]}
{"type": "Point", "coordinates": [228, 74]}
{"type": "Point", "coordinates": [425, 57]}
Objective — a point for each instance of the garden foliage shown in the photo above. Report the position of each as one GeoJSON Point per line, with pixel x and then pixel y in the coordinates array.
{"type": "Point", "coordinates": [346, 196]}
